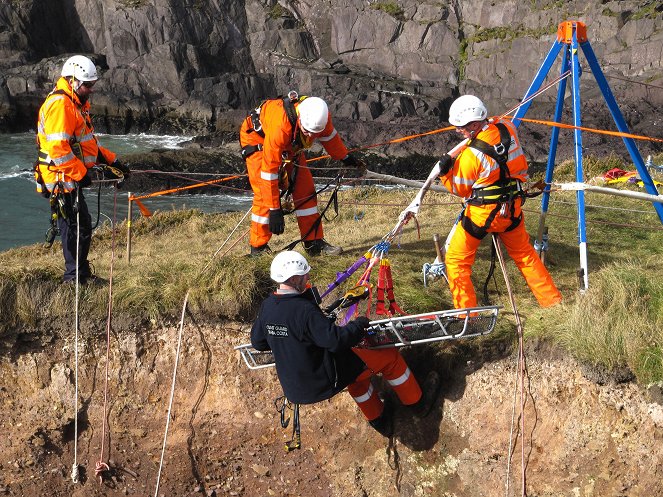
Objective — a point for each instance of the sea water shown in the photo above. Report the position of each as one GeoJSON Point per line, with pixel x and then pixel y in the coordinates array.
{"type": "Point", "coordinates": [25, 215]}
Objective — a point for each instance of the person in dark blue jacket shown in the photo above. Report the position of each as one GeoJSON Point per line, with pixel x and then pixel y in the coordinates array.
{"type": "Point", "coordinates": [315, 358]}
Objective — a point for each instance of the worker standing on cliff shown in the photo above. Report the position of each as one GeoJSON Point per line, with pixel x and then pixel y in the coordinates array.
{"type": "Point", "coordinates": [488, 174]}
{"type": "Point", "coordinates": [68, 149]}
{"type": "Point", "coordinates": [315, 359]}
{"type": "Point", "coordinates": [273, 138]}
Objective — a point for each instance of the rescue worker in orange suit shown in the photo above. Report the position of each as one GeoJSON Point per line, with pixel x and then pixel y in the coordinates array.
{"type": "Point", "coordinates": [68, 149]}
{"type": "Point", "coordinates": [316, 359]}
{"type": "Point", "coordinates": [488, 174]}
{"type": "Point", "coordinates": [273, 138]}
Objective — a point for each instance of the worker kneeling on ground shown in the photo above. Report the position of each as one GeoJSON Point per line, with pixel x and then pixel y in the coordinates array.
{"type": "Point", "coordinates": [489, 174]}
{"type": "Point", "coordinates": [273, 138]}
{"type": "Point", "coordinates": [316, 359]}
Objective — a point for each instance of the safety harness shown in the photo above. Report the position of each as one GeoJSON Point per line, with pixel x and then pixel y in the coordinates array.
{"type": "Point", "coordinates": [289, 107]}
{"type": "Point", "coordinates": [56, 192]}
{"type": "Point", "coordinates": [502, 193]}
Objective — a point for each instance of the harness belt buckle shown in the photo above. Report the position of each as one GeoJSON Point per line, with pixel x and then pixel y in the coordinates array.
{"type": "Point", "coordinates": [500, 149]}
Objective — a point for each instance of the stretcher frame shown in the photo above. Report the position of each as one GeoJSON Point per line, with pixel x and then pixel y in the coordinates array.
{"type": "Point", "coordinates": [405, 331]}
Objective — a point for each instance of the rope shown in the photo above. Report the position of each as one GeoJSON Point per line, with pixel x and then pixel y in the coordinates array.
{"type": "Point", "coordinates": [74, 468]}
{"type": "Point", "coordinates": [102, 466]}
{"type": "Point", "coordinates": [520, 373]}
{"type": "Point", "coordinates": [189, 187]}
{"type": "Point", "coordinates": [591, 130]}
{"type": "Point", "coordinates": [172, 391]}
{"type": "Point", "coordinates": [179, 344]}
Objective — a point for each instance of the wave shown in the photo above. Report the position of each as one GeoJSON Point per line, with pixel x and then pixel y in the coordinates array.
{"type": "Point", "coordinates": [15, 172]}
{"type": "Point", "coordinates": [143, 141]}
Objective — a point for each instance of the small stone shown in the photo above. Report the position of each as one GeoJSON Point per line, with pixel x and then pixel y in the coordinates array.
{"type": "Point", "coordinates": [260, 470]}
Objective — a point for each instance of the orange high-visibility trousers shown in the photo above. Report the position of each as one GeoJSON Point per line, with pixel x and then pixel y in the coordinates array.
{"type": "Point", "coordinates": [303, 194]}
{"type": "Point", "coordinates": [394, 369]}
{"type": "Point", "coordinates": [461, 253]}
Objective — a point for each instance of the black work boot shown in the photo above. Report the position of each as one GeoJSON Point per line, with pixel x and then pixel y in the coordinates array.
{"type": "Point", "coordinates": [429, 391]}
{"type": "Point", "coordinates": [321, 247]}
{"type": "Point", "coordinates": [263, 249]}
{"type": "Point", "coordinates": [384, 423]}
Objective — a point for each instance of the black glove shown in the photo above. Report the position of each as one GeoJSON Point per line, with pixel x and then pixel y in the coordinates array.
{"type": "Point", "coordinates": [85, 180]}
{"type": "Point", "coordinates": [276, 221]}
{"type": "Point", "coordinates": [122, 167]}
{"type": "Point", "coordinates": [351, 161]}
{"type": "Point", "coordinates": [362, 321]}
{"type": "Point", "coordinates": [116, 172]}
{"type": "Point", "coordinates": [446, 162]}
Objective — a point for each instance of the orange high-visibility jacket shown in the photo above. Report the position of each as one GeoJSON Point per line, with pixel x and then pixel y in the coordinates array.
{"type": "Point", "coordinates": [474, 169]}
{"type": "Point", "coordinates": [277, 145]}
{"type": "Point", "coordinates": [64, 125]}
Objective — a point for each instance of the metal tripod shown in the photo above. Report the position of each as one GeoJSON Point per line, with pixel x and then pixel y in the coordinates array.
{"type": "Point", "coordinates": [572, 35]}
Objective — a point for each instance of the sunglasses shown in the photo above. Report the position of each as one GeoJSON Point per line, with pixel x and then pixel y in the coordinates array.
{"type": "Point", "coordinates": [88, 84]}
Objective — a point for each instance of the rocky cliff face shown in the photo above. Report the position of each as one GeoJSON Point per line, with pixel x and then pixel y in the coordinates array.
{"type": "Point", "coordinates": [199, 65]}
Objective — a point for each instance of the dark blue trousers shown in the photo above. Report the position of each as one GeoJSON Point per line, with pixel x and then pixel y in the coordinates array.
{"type": "Point", "coordinates": [68, 236]}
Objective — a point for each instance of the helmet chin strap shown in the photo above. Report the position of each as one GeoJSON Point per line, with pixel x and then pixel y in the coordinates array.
{"type": "Point", "coordinates": [75, 85]}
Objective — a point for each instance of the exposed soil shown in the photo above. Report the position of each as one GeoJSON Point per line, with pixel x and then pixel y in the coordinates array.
{"type": "Point", "coordinates": [582, 438]}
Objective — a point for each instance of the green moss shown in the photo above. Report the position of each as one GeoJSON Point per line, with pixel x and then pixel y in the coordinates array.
{"type": "Point", "coordinates": [505, 33]}
{"type": "Point", "coordinates": [462, 59]}
{"type": "Point", "coordinates": [391, 8]}
{"type": "Point", "coordinates": [649, 11]}
{"type": "Point", "coordinates": [277, 11]}
{"type": "Point", "coordinates": [133, 4]}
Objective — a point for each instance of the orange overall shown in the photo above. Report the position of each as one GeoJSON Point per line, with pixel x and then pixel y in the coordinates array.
{"type": "Point", "coordinates": [67, 145]}
{"type": "Point", "coordinates": [394, 369]}
{"type": "Point", "coordinates": [473, 171]}
{"type": "Point", "coordinates": [276, 152]}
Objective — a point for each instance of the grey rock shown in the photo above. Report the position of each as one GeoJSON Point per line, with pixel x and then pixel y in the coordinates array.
{"type": "Point", "coordinates": [168, 67]}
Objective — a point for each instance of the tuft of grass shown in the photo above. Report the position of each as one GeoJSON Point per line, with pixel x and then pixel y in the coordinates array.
{"type": "Point", "coordinates": [619, 322]}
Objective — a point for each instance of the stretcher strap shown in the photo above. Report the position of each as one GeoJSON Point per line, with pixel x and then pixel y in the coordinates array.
{"type": "Point", "coordinates": [393, 306]}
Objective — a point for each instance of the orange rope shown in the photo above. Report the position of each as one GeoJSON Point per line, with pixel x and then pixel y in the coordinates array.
{"type": "Point", "coordinates": [197, 185]}
{"type": "Point", "coordinates": [591, 130]}
{"type": "Point", "coordinates": [395, 140]}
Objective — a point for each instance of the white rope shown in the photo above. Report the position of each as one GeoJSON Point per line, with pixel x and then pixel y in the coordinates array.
{"type": "Point", "coordinates": [74, 468]}
{"type": "Point", "coordinates": [519, 372]}
{"type": "Point", "coordinates": [576, 186]}
{"type": "Point", "coordinates": [177, 354]}
{"type": "Point", "coordinates": [172, 393]}
{"type": "Point", "coordinates": [606, 207]}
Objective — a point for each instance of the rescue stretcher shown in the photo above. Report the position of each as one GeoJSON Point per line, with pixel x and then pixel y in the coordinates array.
{"type": "Point", "coordinates": [404, 331]}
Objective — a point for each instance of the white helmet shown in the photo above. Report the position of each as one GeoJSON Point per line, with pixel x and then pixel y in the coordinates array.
{"type": "Point", "coordinates": [81, 68]}
{"type": "Point", "coordinates": [287, 264]}
{"type": "Point", "coordinates": [467, 109]}
{"type": "Point", "coordinates": [313, 114]}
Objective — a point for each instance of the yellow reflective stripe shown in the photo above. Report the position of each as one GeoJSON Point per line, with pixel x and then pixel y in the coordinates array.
{"type": "Point", "coordinates": [306, 212]}
{"type": "Point", "coordinates": [61, 160]}
{"type": "Point", "coordinates": [57, 136]}
{"type": "Point", "coordinates": [515, 154]}
{"type": "Point", "coordinates": [68, 185]}
{"type": "Point", "coordinates": [327, 138]}
{"type": "Point", "coordinates": [365, 397]}
{"type": "Point", "coordinates": [401, 379]}
{"type": "Point", "coordinates": [463, 181]}
{"type": "Point", "coordinates": [269, 176]}
{"type": "Point", "coordinates": [259, 219]}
